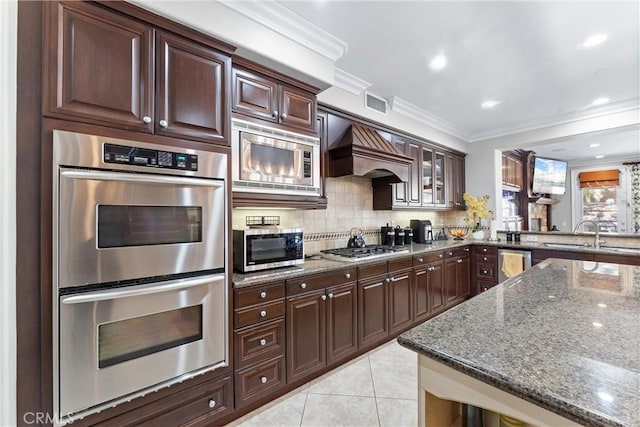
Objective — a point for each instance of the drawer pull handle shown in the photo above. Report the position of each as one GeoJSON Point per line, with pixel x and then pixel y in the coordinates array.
{"type": "Point", "coordinates": [459, 261]}
{"type": "Point", "coordinates": [263, 342]}
{"type": "Point", "coordinates": [263, 294]}
{"type": "Point", "coordinates": [396, 279]}
{"type": "Point", "coordinates": [347, 275]}
{"type": "Point", "coordinates": [212, 403]}
{"type": "Point", "coordinates": [263, 380]}
{"type": "Point", "coordinates": [263, 313]}
{"type": "Point", "coordinates": [303, 285]}
{"type": "Point", "coordinates": [420, 260]}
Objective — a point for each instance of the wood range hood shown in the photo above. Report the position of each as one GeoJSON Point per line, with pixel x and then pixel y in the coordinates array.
{"type": "Point", "coordinates": [363, 152]}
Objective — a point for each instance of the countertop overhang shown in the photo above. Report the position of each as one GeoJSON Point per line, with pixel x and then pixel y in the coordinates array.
{"type": "Point", "coordinates": [562, 335]}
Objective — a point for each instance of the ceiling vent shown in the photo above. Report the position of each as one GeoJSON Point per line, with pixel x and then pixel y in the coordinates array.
{"type": "Point", "coordinates": [375, 103]}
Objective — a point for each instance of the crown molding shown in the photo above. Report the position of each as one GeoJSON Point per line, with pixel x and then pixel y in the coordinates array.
{"type": "Point", "coordinates": [349, 82]}
{"type": "Point", "coordinates": [585, 114]}
{"type": "Point", "coordinates": [400, 106]}
{"type": "Point", "coordinates": [283, 21]}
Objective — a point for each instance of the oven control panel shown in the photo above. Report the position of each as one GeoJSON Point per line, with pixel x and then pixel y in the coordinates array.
{"type": "Point", "coordinates": [136, 156]}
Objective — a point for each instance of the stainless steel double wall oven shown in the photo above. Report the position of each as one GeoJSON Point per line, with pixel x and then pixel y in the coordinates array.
{"type": "Point", "coordinates": [140, 260]}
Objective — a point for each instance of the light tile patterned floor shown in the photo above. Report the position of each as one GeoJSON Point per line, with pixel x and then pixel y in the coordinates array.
{"type": "Point", "coordinates": [376, 389]}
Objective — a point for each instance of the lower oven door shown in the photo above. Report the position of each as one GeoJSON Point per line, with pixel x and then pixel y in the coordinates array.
{"type": "Point", "coordinates": [115, 344]}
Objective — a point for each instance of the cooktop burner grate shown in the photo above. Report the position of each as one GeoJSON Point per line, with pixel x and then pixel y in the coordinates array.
{"type": "Point", "coordinates": [369, 251]}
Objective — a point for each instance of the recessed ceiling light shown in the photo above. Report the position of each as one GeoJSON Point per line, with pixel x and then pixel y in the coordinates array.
{"type": "Point", "coordinates": [602, 305]}
{"type": "Point", "coordinates": [490, 103]}
{"type": "Point", "coordinates": [559, 150]}
{"type": "Point", "coordinates": [600, 156]}
{"type": "Point", "coordinates": [438, 62]}
{"type": "Point", "coordinates": [594, 145]}
{"type": "Point", "coordinates": [597, 324]}
{"type": "Point", "coordinates": [600, 101]}
{"type": "Point", "coordinates": [594, 40]}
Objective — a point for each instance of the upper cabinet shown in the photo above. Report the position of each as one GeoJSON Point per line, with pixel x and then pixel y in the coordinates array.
{"type": "Point", "coordinates": [512, 171]}
{"type": "Point", "coordinates": [269, 99]}
{"type": "Point", "coordinates": [107, 69]}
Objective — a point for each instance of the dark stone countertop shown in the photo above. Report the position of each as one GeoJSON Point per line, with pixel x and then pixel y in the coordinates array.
{"type": "Point", "coordinates": [558, 335]}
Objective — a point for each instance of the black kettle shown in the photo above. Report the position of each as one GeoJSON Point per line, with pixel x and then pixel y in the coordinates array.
{"type": "Point", "coordinates": [356, 240]}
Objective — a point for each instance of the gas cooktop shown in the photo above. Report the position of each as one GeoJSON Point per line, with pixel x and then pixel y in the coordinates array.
{"type": "Point", "coordinates": [368, 252]}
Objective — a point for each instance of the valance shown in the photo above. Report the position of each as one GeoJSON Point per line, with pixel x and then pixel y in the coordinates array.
{"type": "Point", "coordinates": [606, 178]}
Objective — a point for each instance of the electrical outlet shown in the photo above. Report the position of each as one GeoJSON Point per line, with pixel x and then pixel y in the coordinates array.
{"type": "Point", "coordinates": [532, 238]}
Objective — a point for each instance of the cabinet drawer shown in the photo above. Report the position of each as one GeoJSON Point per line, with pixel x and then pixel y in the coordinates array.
{"type": "Point", "coordinates": [371, 270]}
{"type": "Point", "coordinates": [458, 251]}
{"type": "Point", "coordinates": [258, 313]}
{"type": "Point", "coordinates": [259, 380]}
{"type": "Point", "coordinates": [399, 264]}
{"type": "Point", "coordinates": [246, 297]}
{"type": "Point", "coordinates": [257, 343]}
{"type": "Point", "coordinates": [485, 250]}
{"type": "Point", "coordinates": [483, 285]}
{"type": "Point", "coordinates": [486, 272]}
{"type": "Point", "coordinates": [485, 259]}
{"type": "Point", "coordinates": [427, 258]}
{"type": "Point", "coordinates": [310, 283]}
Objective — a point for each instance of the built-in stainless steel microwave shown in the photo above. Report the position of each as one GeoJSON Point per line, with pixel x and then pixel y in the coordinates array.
{"type": "Point", "coordinates": [268, 160]}
{"type": "Point", "coordinates": [263, 248]}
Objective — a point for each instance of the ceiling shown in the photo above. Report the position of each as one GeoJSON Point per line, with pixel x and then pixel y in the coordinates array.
{"type": "Point", "coordinates": [526, 55]}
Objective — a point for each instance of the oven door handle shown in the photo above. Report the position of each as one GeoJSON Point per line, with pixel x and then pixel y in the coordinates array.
{"type": "Point", "coordinates": [140, 290]}
{"type": "Point", "coordinates": [142, 178]}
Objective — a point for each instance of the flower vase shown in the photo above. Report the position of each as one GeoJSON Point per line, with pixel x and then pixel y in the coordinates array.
{"type": "Point", "coordinates": [478, 235]}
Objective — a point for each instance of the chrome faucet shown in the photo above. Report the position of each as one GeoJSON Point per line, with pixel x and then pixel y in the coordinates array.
{"type": "Point", "coordinates": [597, 241]}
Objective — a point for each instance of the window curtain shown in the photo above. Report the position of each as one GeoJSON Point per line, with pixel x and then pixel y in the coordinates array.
{"type": "Point", "coordinates": [634, 172]}
{"type": "Point", "coordinates": [606, 178]}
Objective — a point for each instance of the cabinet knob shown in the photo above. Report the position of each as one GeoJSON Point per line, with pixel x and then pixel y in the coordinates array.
{"type": "Point", "coordinates": [274, 114]}
{"type": "Point", "coordinates": [212, 403]}
{"type": "Point", "coordinates": [387, 280]}
{"type": "Point", "coordinates": [330, 295]}
{"type": "Point", "coordinates": [146, 119]}
{"type": "Point", "coordinates": [420, 260]}
{"type": "Point", "coordinates": [263, 342]}
{"type": "Point", "coordinates": [263, 313]}
{"type": "Point", "coordinates": [466, 249]}
{"type": "Point", "coordinates": [450, 253]}
{"type": "Point", "coordinates": [263, 380]}
{"type": "Point", "coordinates": [263, 294]}
{"type": "Point", "coordinates": [347, 275]}
{"type": "Point", "coordinates": [303, 285]}
{"type": "Point", "coordinates": [283, 116]}
{"type": "Point", "coordinates": [439, 255]}
{"type": "Point", "coordinates": [484, 250]}
{"type": "Point", "coordinates": [431, 268]}
{"type": "Point", "coordinates": [485, 288]}
{"type": "Point", "coordinates": [484, 271]}
{"type": "Point", "coordinates": [164, 123]}
{"type": "Point", "coordinates": [459, 261]}
{"type": "Point", "coordinates": [324, 297]}
{"type": "Point", "coordinates": [484, 258]}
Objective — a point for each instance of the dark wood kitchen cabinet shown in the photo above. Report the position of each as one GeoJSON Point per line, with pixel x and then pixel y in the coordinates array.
{"type": "Point", "coordinates": [512, 172]}
{"type": "Point", "coordinates": [485, 267]}
{"type": "Point", "coordinates": [428, 282]}
{"type": "Point", "coordinates": [385, 300]}
{"type": "Point", "coordinates": [259, 341]}
{"type": "Point", "coordinates": [403, 194]}
{"type": "Point", "coordinates": [456, 275]}
{"type": "Point", "coordinates": [455, 176]}
{"type": "Point", "coordinates": [322, 321]}
{"type": "Point", "coordinates": [270, 99]}
{"type": "Point", "coordinates": [104, 68]}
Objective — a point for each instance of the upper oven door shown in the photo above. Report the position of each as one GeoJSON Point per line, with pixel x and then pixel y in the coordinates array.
{"type": "Point", "coordinates": [116, 226]}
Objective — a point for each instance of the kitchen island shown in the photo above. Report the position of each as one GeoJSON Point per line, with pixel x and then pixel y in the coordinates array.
{"type": "Point", "coordinates": [556, 345]}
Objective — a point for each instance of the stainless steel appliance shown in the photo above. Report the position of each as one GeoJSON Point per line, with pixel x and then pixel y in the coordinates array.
{"type": "Point", "coordinates": [139, 271]}
{"type": "Point", "coordinates": [422, 231]}
{"type": "Point", "coordinates": [368, 252]}
{"type": "Point", "coordinates": [263, 248]}
{"type": "Point", "coordinates": [522, 256]}
{"type": "Point", "coordinates": [274, 161]}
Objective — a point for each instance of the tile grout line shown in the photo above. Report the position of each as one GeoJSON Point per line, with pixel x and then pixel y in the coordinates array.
{"type": "Point", "coordinates": [373, 383]}
{"type": "Point", "coordinates": [304, 407]}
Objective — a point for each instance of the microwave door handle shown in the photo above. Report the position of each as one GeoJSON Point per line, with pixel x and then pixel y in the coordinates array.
{"type": "Point", "coordinates": [139, 290]}
{"type": "Point", "coordinates": [131, 177]}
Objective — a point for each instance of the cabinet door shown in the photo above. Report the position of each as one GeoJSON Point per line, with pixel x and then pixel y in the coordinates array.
{"type": "Point", "coordinates": [463, 282]}
{"type": "Point", "coordinates": [255, 95]}
{"type": "Point", "coordinates": [420, 294]}
{"type": "Point", "coordinates": [192, 90]}
{"type": "Point", "coordinates": [455, 185]}
{"type": "Point", "coordinates": [297, 108]}
{"type": "Point", "coordinates": [400, 301]}
{"type": "Point", "coordinates": [436, 287]}
{"type": "Point", "coordinates": [439, 179]}
{"type": "Point", "coordinates": [428, 161]}
{"type": "Point", "coordinates": [414, 186]}
{"type": "Point", "coordinates": [98, 68]}
{"type": "Point", "coordinates": [400, 190]}
{"type": "Point", "coordinates": [372, 311]}
{"type": "Point", "coordinates": [306, 335]}
{"type": "Point", "coordinates": [342, 321]}
{"type": "Point", "coordinates": [450, 280]}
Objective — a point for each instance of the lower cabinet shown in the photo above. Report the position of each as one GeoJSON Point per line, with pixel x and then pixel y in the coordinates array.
{"type": "Point", "coordinates": [428, 283]}
{"type": "Point", "coordinates": [259, 380]}
{"type": "Point", "coordinates": [485, 268]}
{"type": "Point", "coordinates": [373, 311]}
{"type": "Point", "coordinates": [456, 275]}
{"type": "Point", "coordinates": [322, 322]}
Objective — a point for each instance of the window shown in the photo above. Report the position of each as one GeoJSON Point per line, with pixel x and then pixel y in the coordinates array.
{"type": "Point", "coordinates": [600, 204]}
{"type": "Point", "coordinates": [601, 195]}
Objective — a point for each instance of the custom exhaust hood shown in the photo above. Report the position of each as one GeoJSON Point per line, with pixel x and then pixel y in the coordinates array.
{"type": "Point", "coordinates": [363, 152]}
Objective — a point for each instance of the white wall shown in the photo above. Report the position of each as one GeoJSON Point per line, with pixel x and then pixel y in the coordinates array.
{"type": "Point", "coordinates": [8, 53]}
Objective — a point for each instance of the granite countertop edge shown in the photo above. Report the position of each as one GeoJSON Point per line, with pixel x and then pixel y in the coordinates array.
{"type": "Point", "coordinates": [558, 406]}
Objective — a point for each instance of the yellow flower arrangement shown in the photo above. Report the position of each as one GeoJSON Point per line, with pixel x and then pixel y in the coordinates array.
{"type": "Point", "coordinates": [476, 209]}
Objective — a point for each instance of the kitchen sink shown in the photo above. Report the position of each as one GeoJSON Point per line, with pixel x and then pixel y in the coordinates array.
{"type": "Point", "coordinates": [564, 245]}
{"type": "Point", "coordinates": [622, 250]}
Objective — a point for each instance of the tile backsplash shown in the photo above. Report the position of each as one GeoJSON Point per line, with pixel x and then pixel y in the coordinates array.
{"type": "Point", "coordinates": [350, 204]}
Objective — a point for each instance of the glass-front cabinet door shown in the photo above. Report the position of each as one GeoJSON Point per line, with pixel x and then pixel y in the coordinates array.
{"type": "Point", "coordinates": [427, 177]}
{"type": "Point", "coordinates": [433, 178]}
{"type": "Point", "coordinates": [439, 179]}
